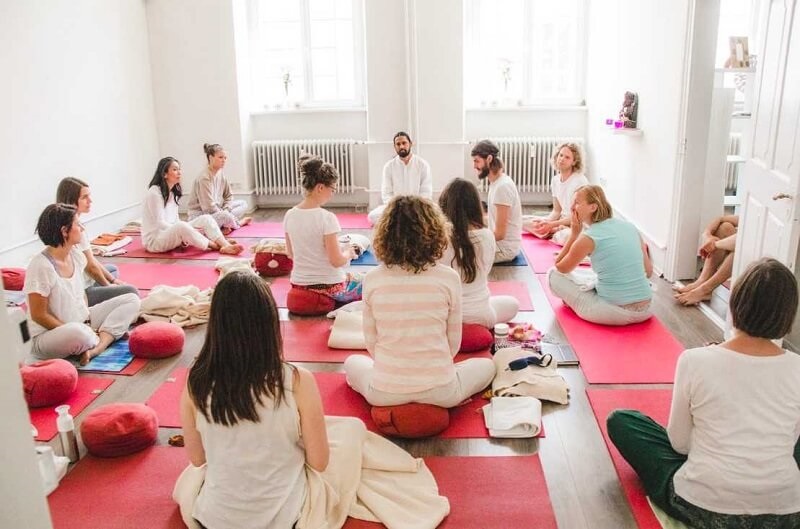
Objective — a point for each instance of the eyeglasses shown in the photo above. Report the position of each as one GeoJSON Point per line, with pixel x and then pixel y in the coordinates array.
{"type": "Point", "coordinates": [522, 363]}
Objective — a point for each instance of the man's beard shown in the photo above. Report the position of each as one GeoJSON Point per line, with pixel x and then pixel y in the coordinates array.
{"type": "Point", "coordinates": [484, 173]}
{"type": "Point", "coordinates": [403, 153]}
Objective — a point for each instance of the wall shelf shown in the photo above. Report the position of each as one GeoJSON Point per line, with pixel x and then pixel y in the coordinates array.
{"type": "Point", "coordinates": [626, 132]}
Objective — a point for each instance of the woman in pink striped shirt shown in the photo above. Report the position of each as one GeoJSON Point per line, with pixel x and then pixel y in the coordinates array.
{"type": "Point", "coordinates": [412, 315]}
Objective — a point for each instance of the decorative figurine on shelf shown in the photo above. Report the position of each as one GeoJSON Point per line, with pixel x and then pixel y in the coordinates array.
{"type": "Point", "coordinates": [630, 106]}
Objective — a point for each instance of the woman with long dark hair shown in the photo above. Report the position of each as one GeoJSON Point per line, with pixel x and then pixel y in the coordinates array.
{"type": "Point", "coordinates": [253, 419]}
{"type": "Point", "coordinates": [470, 252]}
{"type": "Point", "coordinates": [162, 231]}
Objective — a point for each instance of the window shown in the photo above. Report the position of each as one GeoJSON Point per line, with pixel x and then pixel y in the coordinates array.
{"type": "Point", "coordinates": [306, 53]}
{"type": "Point", "coordinates": [523, 52]}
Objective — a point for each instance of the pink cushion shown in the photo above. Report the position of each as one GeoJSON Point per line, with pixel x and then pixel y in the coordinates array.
{"type": "Point", "coordinates": [475, 337]}
{"type": "Point", "coordinates": [117, 430]}
{"type": "Point", "coordinates": [308, 303]}
{"type": "Point", "coordinates": [156, 339]}
{"type": "Point", "coordinates": [410, 420]}
{"type": "Point", "coordinates": [48, 382]}
{"type": "Point", "coordinates": [272, 264]}
{"type": "Point", "coordinates": [13, 278]}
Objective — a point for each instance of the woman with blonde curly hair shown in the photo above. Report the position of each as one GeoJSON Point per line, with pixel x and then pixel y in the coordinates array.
{"type": "Point", "coordinates": [568, 162]}
{"type": "Point", "coordinates": [412, 315]}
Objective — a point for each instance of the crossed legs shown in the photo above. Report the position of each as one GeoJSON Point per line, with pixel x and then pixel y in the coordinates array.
{"type": "Point", "coordinates": [717, 268]}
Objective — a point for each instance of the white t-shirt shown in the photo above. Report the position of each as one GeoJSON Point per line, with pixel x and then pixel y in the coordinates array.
{"type": "Point", "coordinates": [156, 215]}
{"type": "Point", "coordinates": [563, 191]}
{"type": "Point", "coordinates": [413, 178]}
{"type": "Point", "coordinates": [738, 418]}
{"type": "Point", "coordinates": [475, 307]}
{"type": "Point", "coordinates": [306, 229]}
{"type": "Point", "coordinates": [504, 192]}
{"type": "Point", "coordinates": [66, 299]}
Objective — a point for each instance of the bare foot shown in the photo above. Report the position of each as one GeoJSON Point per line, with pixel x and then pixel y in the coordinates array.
{"type": "Point", "coordinates": [231, 241]}
{"type": "Point", "coordinates": [226, 230]}
{"type": "Point", "coordinates": [245, 221]}
{"type": "Point", "coordinates": [693, 297]}
{"type": "Point", "coordinates": [232, 249]}
{"type": "Point", "coordinates": [87, 356]}
{"type": "Point", "coordinates": [685, 288]}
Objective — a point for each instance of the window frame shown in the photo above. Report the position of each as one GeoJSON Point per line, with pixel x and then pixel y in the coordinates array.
{"type": "Point", "coordinates": [259, 105]}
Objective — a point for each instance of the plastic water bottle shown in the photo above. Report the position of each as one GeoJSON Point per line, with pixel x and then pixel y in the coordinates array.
{"type": "Point", "coordinates": [500, 337]}
{"type": "Point", "coordinates": [66, 433]}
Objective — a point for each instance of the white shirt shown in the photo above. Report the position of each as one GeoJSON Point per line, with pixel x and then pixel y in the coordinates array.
{"type": "Point", "coordinates": [503, 192]}
{"type": "Point", "coordinates": [738, 418]}
{"type": "Point", "coordinates": [563, 191]}
{"type": "Point", "coordinates": [66, 299]}
{"type": "Point", "coordinates": [306, 230]}
{"type": "Point", "coordinates": [475, 307]}
{"type": "Point", "coordinates": [413, 178]}
{"type": "Point", "coordinates": [156, 215]}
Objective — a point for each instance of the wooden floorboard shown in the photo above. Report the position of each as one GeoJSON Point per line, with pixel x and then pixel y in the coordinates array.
{"type": "Point", "coordinates": [583, 485]}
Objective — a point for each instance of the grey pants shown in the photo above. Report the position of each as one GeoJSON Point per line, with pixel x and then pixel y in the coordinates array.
{"type": "Point", "coordinates": [99, 293]}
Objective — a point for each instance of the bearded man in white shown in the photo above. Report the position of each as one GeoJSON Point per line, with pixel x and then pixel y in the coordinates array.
{"type": "Point", "coordinates": [405, 174]}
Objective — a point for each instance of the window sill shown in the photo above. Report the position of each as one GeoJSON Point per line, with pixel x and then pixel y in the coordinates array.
{"type": "Point", "coordinates": [306, 110]}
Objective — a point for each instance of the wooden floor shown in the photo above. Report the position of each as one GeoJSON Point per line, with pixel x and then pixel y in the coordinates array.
{"type": "Point", "coordinates": [581, 480]}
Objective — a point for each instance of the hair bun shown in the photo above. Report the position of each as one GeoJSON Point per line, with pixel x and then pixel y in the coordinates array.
{"type": "Point", "coordinates": [309, 163]}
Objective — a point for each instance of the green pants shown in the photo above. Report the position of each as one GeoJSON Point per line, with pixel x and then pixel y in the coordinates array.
{"type": "Point", "coordinates": [645, 446]}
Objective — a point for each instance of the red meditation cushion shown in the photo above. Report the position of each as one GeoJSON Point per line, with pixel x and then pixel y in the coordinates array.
{"type": "Point", "coordinates": [475, 337]}
{"type": "Point", "coordinates": [410, 420]}
{"type": "Point", "coordinates": [48, 382]}
{"type": "Point", "coordinates": [13, 278]}
{"type": "Point", "coordinates": [120, 429]}
{"type": "Point", "coordinates": [273, 264]}
{"type": "Point", "coordinates": [156, 339]}
{"type": "Point", "coordinates": [308, 303]}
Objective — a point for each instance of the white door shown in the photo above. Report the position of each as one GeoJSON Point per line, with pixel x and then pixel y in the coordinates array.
{"type": "Point", "coordinates": [769, 188]}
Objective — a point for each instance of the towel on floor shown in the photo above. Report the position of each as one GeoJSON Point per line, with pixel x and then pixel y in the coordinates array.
{"type": "Point", "coordinates": [184, 306]}
{"type": "Point", "coordinates": [347, 331]}
{"type": "Point", "coordinates": [513, 417]}
{"type": "Point", "coordinates": [270, 245]}
{"type": "Point", "coordinates": [544, 383]}
{"type": "Point", "coordinates": [106, 239]}
{"type": "Point", "coordinates": [226, 265]}
{"type": "Point", "coordinates": [368, 477]}
{"type": "Point", "coordinates": [113, 248]}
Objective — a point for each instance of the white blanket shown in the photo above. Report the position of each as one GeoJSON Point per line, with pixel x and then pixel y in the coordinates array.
{"type": "Point", "coordinates": [368, 477]}
{"type": "Point", "coordinates": [347, 331]}
{"type": "Point", "coordinates": [513, 417]}
{"type": "Point", "coordinates": [585, 278]}
{"type": "Point", "coordinates": [544, 383]}
{"type": "Point", "coordinates": [226, 265]}
{"type": "Point", "coordinates": [115, 248]}
{"type": "Point", "coordinates": [184, 306]}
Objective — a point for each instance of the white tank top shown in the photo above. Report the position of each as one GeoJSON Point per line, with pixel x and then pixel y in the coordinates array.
{"type": "Point", "coordinates": [255, 476]}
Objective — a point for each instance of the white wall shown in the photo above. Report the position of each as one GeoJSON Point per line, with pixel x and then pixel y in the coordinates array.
{"type": "Point", "coordinates": [637, 45]}
{"type": "Point", "coordinates": [196, 86]}
{"type": "Point", "coordinates": [79, 103]}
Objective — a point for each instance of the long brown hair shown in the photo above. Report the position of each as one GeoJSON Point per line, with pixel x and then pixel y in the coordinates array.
{"type": "Point", "coordinates": [241, 361]}
{"type": "Point", "coordinates": [461, 204]}
{"type": "Point", "coordinates": [69, 190]}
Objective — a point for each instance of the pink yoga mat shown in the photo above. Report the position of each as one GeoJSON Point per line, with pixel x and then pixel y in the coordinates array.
{"type": "Point", "coordinates": [89, 388]}
{"type": "Point", "coordinates": [121, 492]}
{"type": "Point", "coordinates": [136, 491]}
{"type": "Point", "coordinates": [541, 253]}
{"type": "Point", "coordinates": [166, 399]}
{"type": "Point", "coordinates": [260, 229]}
{"type": "Point", "coordinates": [280, 288]}
{"type": "Point", "coordinates": [135, 249]}
{"type": "Point", "coordinates": [148, 275]}
{"type": "Point", "coordinates": [353, 221]}
{"type": "Point", "coordinates": [307, 341]}
{"type": "Point", "coordinates": [466, 420]}
{"type": "Point", "coordinates": [652, 402]}
{"type": "Point", "coordinates": [522, 501]}
{"type": "Point", "coordinates": [643, 353]}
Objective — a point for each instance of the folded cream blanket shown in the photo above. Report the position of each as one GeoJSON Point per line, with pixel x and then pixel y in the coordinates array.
{"type": "Point", "coordinates": [184, 306]}
{"type": "Point", "coordinates": [513, 417]}
{"type": "Point", "coordinates": [113, 248]}
{"type": "Point", "coordinates": [270, 245]}
{"type": "Point", "coordinates": [347, 331]}
{"type": "Point", "coordinates": [368, 477]}
{"type": "Point", "coordinates": [544, 383]}
{"type": "Point", "coordinates": [226, 265]}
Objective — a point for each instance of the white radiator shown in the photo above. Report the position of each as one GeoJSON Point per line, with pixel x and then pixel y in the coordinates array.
{"type": "Point", "coordinates": [732, 168]}
{"type": "Point", "coordinates": [275, 163]}
{"type": "Point", "coordinates": [527, 160]}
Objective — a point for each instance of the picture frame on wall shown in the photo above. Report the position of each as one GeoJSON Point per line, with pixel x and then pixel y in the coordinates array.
{"type": "Point", "coordinates": [739, 53]}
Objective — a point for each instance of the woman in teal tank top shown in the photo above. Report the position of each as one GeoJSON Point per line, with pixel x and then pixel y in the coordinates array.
{"type": "Point", "coordinates": [621, 294]}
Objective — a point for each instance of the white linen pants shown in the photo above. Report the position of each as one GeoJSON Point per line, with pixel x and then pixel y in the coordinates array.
{"type": "Point", "coordinates": [185, 233]}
